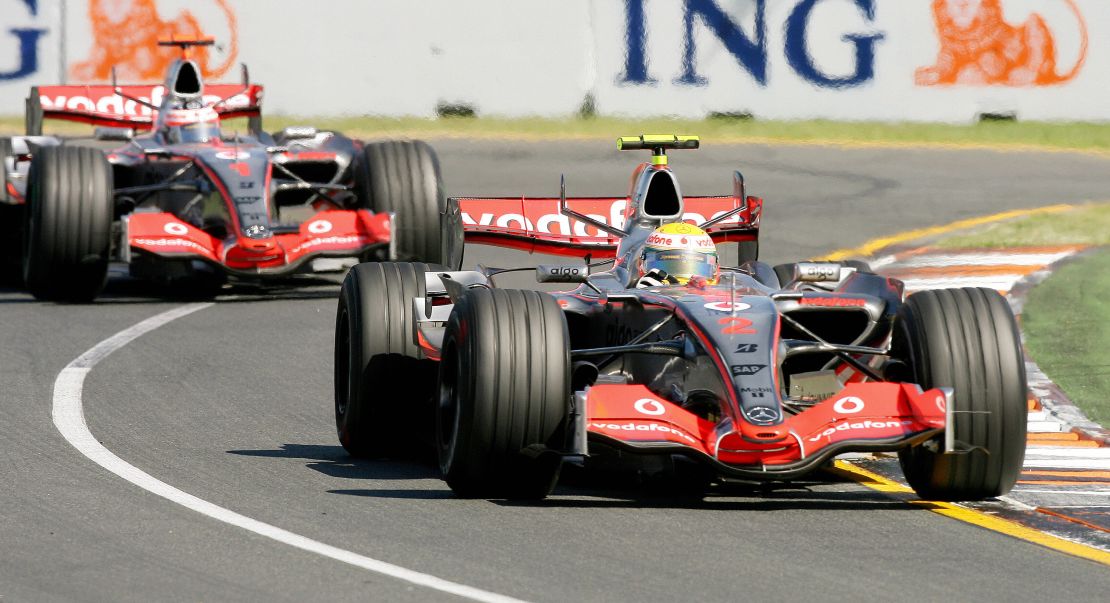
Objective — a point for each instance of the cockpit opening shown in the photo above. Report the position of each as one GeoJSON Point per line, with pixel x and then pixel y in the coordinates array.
{"type": "Point", "coordinates": [187, 82]}
{"type": "Point", "coordinates": [662, 198]}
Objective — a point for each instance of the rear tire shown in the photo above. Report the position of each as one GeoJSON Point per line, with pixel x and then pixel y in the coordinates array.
{"type": "Point", "coordinates": [504, 394]}
{"type": "Point", "coordinates": [383, 388]}
{"type": "Point", "coordinates": [403, 177]}
{"type": "Point", "coordinates": [966, 339]}
{"type": "Point", "coordinates": [69, 223]}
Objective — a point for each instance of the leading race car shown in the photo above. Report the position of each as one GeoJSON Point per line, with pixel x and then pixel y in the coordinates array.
{"type": "Point", "coordinates": [663, 357]}
{"type": "Point", "coordinates": [189, 199]}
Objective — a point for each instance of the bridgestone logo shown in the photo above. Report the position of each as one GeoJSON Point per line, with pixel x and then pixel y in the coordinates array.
{"type": "Point", "coordinates": [868, 424]}
{"type": "Point", "coordinates": [653, 427]}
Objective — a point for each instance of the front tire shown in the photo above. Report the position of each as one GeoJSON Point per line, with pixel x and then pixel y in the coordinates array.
{"type": "Point", "coordinates": [69, 224]}
{"type": "Point", "coordinates": [504, 394]}
{"type": "Point", "coordinates": [383, 388]}
{"type": "Point", "coordinates": [403, 177]}
{"type": "Point", "coordinates": [966, 339]}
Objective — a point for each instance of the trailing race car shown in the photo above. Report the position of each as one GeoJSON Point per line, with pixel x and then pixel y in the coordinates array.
{"type": "Point", "coordinates": [188, 199]}
{"type": "Point", "coordinates": [665, 357]}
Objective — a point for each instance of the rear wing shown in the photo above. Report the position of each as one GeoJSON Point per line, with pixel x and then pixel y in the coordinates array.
{"type": "Point", "coordinates": [101, 106]}
{"type": "Point", "coordinates": [535, 225]}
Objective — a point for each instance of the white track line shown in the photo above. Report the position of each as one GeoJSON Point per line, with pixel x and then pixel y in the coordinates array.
{"type": "Point", "coordinates": [1069, 492]}
{"type": "Point", "coordinates": [69, 418]}
{"type": "Point", "coordinates": [1100, 464]}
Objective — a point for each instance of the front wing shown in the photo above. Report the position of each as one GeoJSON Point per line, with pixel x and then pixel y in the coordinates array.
{"type": "Point", "coordinates": [332, 233]}
{"type": "Point", "coordinates": [863, 417]}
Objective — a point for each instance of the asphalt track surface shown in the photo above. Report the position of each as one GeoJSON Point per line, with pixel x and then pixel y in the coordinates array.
{"type": "Point", "coordinates": [232, 404]}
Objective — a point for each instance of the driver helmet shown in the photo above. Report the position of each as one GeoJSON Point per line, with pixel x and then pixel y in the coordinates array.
{"type": "Point", "coordinates": [192, 125]}
{"type": "Point", "coordinates": [679, 251]}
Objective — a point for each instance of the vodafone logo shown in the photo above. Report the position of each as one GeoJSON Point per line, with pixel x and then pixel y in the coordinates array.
{"type": "Point", "coordinates": [650, 407]}
{"type": "Point", "coordinates": [848, 406]}
{"type": "Point", "coordinates": [319, 226]}
{"type": "Point", "coordinates": [175, 228]}
{"type": "Point", "coordinates": [942, 405]}
{"type": "Point", "coordinates": [727, 306]}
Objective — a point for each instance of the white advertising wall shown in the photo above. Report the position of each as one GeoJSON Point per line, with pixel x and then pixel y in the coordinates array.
{"type": "Point", "coordinates": [919, 60]}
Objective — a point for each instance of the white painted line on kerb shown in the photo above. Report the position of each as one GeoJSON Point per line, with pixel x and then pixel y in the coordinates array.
{"type": "Point", "coordinates": [1100, 464]}
{"type": "Point", "coordinates": [984, 259]}
{"type": "Point", "coordinates": [69, 418]}
{"type": "Point", "coordinates": [1002, 283]}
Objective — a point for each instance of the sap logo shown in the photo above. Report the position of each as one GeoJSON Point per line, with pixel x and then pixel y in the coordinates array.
{"type": "Point", "coordinates": [747, 369]}
{"type": "Point", "coordinates": [750, 51]}
{"type": "Point", "coordinates": [28, 44]}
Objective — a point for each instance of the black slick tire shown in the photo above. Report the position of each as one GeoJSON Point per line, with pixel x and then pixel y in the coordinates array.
{"type": "Point", "coordinates": [69, 224]}
{"type": "Point", "coordinates": [504, 395]}
{"type": "Point", "coordinates": [403, 177]}
{"type": "Point", "coordinates": [383, 388]}
{"type": "Point", "coordinates": [966, 339]}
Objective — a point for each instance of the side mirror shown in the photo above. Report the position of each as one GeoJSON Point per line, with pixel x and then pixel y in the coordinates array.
{"type": "Point", "coordinates": [562, 273]}
{"type": "Point", "coordinates": [112, 133]}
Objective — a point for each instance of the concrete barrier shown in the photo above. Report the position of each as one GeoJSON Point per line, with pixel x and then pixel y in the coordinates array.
{"type": "Point", "coordinates": [918, 60]}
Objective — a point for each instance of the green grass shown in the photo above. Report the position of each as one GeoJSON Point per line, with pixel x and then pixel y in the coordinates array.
{"type": "Point", "coordinates": [1085, 225]}
{"type": "Point", "coordinates": [1067, 326]}
{"type": "Point", "coordinates": [1087, 136]}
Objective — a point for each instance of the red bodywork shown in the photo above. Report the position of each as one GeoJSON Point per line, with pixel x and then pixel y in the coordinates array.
{"type": "Point", "coordinates": [860, 415]}
{"type": "Point", "coordinates": [329, 232]}
{"type": "Point", "coordinates": [101, 106]}
{"type": "Point", "coordinates": [536, 226]}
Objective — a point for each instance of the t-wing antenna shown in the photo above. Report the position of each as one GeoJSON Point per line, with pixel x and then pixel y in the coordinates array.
{"type": "Point", "coordinates": [570, 213]}
{"type": "Point", "coordinates": [658, 143]}
{"type": "Point", "coordinates": [737, 191]}
{"type": "Point", "coordinates": [186, 44]}
{"type": "Point", "coordinates": [119, 92]}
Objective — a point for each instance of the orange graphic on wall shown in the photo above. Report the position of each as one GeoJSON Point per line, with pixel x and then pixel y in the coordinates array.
{"type": "Point", "coordinates": [978, 47]}
{"type": "Point", "coordinates": [126, 33]}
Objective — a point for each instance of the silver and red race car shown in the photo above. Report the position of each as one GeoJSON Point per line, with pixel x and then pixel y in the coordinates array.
{"type": "Point", "coordinates": [748, 376]}
{"type": "Point", "coordinates": [189, 200]}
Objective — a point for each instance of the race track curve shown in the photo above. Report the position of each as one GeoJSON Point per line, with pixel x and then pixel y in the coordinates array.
{"type": "Point", "coordinates": [232, 404]}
